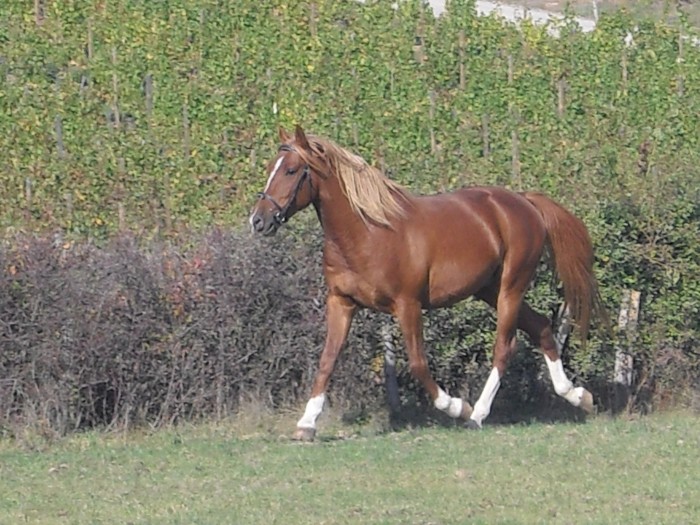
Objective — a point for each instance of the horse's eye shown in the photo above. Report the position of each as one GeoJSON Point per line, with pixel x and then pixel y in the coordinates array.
{"type": "Point", "coordinates": [291, 171]}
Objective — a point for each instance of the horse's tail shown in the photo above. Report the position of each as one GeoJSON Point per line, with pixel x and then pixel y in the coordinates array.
{"type": "Point", "coordinates": [572, 251]}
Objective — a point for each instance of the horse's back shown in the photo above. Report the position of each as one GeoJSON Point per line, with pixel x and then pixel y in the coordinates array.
{"type": "Point", "coordinates": [466, 236]}
{"type": "Point", "coordinates": [481, 213]}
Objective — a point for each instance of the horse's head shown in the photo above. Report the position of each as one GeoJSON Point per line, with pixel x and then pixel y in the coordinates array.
{"type": "Point", "coordinates": [292, 183]}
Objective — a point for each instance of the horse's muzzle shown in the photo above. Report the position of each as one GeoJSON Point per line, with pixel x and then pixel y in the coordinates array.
{"type": "Point", "coordinates": [264, 224]}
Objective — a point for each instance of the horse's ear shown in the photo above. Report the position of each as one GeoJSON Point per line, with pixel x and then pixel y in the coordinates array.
{"type": "Point", "coordinates": [300, 138]}
{"type": "Point", "coordinates": [284, 136]}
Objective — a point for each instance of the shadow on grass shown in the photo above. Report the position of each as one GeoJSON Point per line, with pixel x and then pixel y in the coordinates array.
{"type": "Point", "coordinates": [413, 415]}
{"type": "Point", "coordinates": [418, 413]}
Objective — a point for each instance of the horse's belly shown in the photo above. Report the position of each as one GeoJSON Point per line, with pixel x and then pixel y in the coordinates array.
{"type": "Point", "coordinates": [453, 281]}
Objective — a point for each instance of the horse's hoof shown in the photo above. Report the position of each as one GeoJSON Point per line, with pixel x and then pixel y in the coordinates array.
{"type": "Point", "coordinates": [472, 425]}
{"type": "Point", "coordinates": [304, 434]}
{"type": "Point", "coordinates": [587, 402]}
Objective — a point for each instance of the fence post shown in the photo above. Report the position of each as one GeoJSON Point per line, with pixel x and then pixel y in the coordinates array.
{"type": "Point", "coordinates": [486, 149]}
{"type": "Point", "coordinates": [564, 327]}
{"type": "Point", "coordinates": [90, 41]}
{"type": "Point", "coordinates": [312, 19]}
{"type": "Point", "coordinates": [185, 132]}
{"type": "Point", "coordinates": [514, 141]}
{"type": "Point", "coordinates": [431, 119]}
{"type": "Point", "coordinates": [38, 12]}
{"type": "Point", "coordinates": [68, 197]}
{"type": "Point", "coordinates": [390, 380]}
{"type": "Point", "coordinates": [121, 214]}
{"type": "Point", "coordinates": [28, 198]}
{"type": "Point", "coordinates": [148, 93]}
{"type": "Point", "coordinates": [515, 152]}
{"type": "Point", "coordinates": [58, 129]}
{"type": "Point", "coordinates": [115, 90]}
{"type": "Point", "coordinates": [462, 73]}
{"type": "Point", "coordinates": [561, 99]}
{"type": "Point", "coordinates": [623, 66]}
{"type": "Point", "coordinates": [680, 88]}
{"type": "Point", "coordinates": [624, 362]}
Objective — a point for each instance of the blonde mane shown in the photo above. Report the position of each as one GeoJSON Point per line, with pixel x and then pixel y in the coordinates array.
{"type": "Point", "coordinates": [373, 196]}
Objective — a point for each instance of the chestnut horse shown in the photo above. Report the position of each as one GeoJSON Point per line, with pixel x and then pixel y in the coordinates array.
{"type": "Point", "coordinates": [390, 250]}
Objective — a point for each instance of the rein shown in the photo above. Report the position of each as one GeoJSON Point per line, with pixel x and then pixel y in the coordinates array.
{"type": "Point", "coordinates": [280, 216]}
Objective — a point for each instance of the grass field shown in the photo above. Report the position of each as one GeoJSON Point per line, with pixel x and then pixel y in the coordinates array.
{"type": "Point", "coordinates": [603, 471]}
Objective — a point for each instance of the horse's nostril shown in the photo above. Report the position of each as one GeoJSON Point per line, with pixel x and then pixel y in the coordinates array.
{"type": "Point", "coordinates": [258, 223]}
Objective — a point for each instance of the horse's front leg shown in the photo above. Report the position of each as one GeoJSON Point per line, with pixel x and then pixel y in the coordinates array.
{"type": "Point", "coordinates": [339, 314]}
{"type": "Point", "coordinates": [410, 317]}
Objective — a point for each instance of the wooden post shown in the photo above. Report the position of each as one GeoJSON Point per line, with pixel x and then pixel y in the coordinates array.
{"type": "Point", "coordinates": [312, 19]}
{"type": "Point", "coordinates": [121, 214]}
{"type": "Point", "coordinates": [58, 128]}
{"type": "Point", "coordinates": [84, 84]}
{"type": "Point", "coordinates": [515, 165]}
{"type": "Point", "coordinates": [115, 90]}
{"type": "Point", "coordinates": [379, 156]}
{"type": "Point", "coordinates": [68, 197]}
{"type": "Point", "coordinates": [167, 202]}
{"type": "Point", "coordinates": [148, 93]}
{"type": "Point", "coordinates": [121, 182]}
{"type": "Point", "coordinates": [90, 41]}
{"type": "Point", "coordinates": [418, 52]}
{"type": "Point", "coordinates": [226, 145]}
{"type": "Point", "coordinates": [390, 380]}
{"type": "Point", "coordinates": [336, 127]}
{"type": "Point", "coordinates": [564, 327]}
{"type": "Point", "coordinates": [38, 12]}
{"type": "Point", "coordinates": [253, 159]}
{"type": "Point", "coordinates": [680, 81]}
{"type": "Point", "coordinates": [28, 198]}
{"type": "Point", "coordinates": [485, 148]}
{"type": "Point", "coordinates": [561, 91]}
{"type": "Point", "coordinates": [514, 140]}
{"type": "Point", "coordinates": [510, 69]}
{"type": "Point", "coordinates": [462, 73]}
{"type": "Point", "coordinates": [185, 132]}
{"type": "Point", "coordinates": [431, 119]}
{"type": "Point", "coordinates": [623, 66]}
{"type": "Point", "coordinates": [418, 49]}
{"type": "Point", "coordinates": [624, 362]}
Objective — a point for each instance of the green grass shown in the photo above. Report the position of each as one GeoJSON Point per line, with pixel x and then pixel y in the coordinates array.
{"type": "Point", "coordinates": [603, 471]}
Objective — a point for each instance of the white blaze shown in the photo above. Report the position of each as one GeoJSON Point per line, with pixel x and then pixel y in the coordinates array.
{"type": "Point", "coordinates": [267, 186]}
{"type": "Point", "coordinates": [273, 173]}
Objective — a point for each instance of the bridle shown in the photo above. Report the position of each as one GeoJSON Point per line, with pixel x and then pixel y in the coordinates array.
{"type": "Point", "coordinates": [280, 216]}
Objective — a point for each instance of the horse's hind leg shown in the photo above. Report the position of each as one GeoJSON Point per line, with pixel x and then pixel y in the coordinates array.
{"type": "Point", "coordinates": [539, 329]}
{"type": "Point", "coordinates": [410, 318]}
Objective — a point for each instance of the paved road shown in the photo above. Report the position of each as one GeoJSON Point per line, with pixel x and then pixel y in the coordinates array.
{"type": "Point", "coordinates": [516, 12]}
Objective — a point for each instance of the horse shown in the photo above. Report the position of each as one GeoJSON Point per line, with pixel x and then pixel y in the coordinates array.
{"type": "Point", "coordinates": [396, 252]}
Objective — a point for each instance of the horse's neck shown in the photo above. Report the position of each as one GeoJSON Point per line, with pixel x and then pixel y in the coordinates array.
{"type": "Point", "coordinates": [342, 227]}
